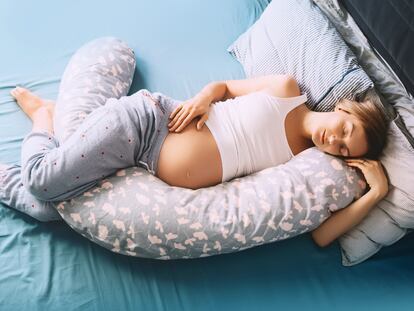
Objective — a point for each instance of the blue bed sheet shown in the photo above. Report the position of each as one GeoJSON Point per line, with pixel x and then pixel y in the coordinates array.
{"type": "Point", "coordinates": [180, 46]}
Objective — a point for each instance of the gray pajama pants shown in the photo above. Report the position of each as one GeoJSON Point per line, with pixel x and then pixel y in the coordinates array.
{"type": "Point", "coordinates": [124, 132]}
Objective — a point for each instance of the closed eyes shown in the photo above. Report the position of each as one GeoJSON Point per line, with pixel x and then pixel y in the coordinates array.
{"type": "Point", "coordinates": [347, 130]}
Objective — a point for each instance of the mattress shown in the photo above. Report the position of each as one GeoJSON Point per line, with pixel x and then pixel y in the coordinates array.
{"type": "Point", "coordinates": [180, 46]}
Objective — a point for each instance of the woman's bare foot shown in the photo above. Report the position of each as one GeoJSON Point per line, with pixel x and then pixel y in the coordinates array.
{"type": "Point", "coordinates": [30, 103]}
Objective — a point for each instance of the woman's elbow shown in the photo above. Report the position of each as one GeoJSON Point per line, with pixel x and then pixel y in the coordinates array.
{"type": "Point", "coordinates": [320, 241]}
{"type": "Point", "coordinates": [285, 86]}
{"type": "Point", "coordinates": [45, 213]}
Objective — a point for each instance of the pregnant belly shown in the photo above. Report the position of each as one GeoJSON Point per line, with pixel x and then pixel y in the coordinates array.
{"type": "Point", "coordinates": [190, 159]}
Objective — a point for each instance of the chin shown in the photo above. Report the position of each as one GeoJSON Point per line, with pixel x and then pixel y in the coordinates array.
{"type": "Point", "coordinates": [316, 142]}
{"type": "Point", "coordinates": [321, 149]}
{"type": "Point", "coordinates": [325, 151]}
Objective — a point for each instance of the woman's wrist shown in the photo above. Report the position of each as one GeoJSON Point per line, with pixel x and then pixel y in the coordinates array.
{"type": "Point", "coordinates": [377, 194]}
{"type": "Point", "coordinates": [42, 119]}
{"type": "Point", "coordinates": [212, 92]}
{"type": "Point", "coordinates": [204, 95]}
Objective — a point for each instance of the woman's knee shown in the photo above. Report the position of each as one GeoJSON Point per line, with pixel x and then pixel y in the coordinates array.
{"type": "Point", "coordinates": [45, 212]}
{"type": "Point", "coordinates": [39, 191]}
{"type": "Point", "coordinates": [42, 186]}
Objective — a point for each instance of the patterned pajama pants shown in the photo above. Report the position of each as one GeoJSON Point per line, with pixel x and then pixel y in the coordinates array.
{"type": "Point", "coordinates": [117, 133]}
{"type": "Point", "coordinates": [125, 132]}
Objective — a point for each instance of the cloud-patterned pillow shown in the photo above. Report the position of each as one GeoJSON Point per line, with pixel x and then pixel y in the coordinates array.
{"type": "Point", "coordinates": [135, 213]}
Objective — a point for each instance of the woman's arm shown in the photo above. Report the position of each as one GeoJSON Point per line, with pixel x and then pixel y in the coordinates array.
{"type": "Point", "coordinates": [345, 219]}
{"type": "Point", "coordinates": [280, 85]}
{"type": "Point", "coordinates": [276, 85]}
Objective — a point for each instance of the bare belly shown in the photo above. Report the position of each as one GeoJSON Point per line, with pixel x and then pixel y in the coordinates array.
{"type": "Point", "coordinates": [190, 159]}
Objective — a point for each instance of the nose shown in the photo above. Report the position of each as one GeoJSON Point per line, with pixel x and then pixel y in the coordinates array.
{"type": "Point", "coordinates": [333, 140]}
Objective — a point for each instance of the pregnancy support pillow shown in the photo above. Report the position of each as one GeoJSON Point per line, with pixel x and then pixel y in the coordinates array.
{"type": "Point", "coordinates": [137, 214]}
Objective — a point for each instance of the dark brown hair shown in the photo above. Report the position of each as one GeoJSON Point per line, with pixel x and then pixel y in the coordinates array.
{"type": "Point", "coordinates": [369, 109]}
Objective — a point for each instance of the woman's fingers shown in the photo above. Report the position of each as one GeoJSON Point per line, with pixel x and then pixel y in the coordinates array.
{"type": "Point", "coordinates": [355, 164]}
{"type": "Point", "coordinates": [202, 120]}
{"type": "Point", "coordinates": [184, 123]}
{"type": "Point", "coordinates": [356, 160]}
{"type": "Point", "coordinates": [374, 174]}
{"type": "Point", "coordinates": [178, 108]}
{"type": "Point", "coordinates": [176, 124]}
{"type": "Point", "coordinates": [184, 114]}
{"type": "Point", "coordinates": [366, 162]}
{"type": "Point", "coordinates": [362, 161]}
{"type": "Point", "coordinates": [177, 116]}
{"type": "Point", "coordinates": [176, 121]}
{"type": "Point", "coordinates": [362, 166]}
{"type": "Point", "coordinates": [181, 117]}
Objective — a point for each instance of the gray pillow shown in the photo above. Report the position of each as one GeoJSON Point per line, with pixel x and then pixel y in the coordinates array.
{"type": "Point", "coordinates": [100, 69]}
{"type": "Point", "coordinates": [294, 37]}
{"type": "Point", "coordinates": [394, 216]}
{"type": "Point", "coordinates": [137, 214]}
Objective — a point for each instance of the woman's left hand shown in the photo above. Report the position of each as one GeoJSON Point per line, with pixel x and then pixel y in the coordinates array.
{"type": "Point", "coordinates": [374, 174]}
{"type": "Point", "coordinates": [187, 111]}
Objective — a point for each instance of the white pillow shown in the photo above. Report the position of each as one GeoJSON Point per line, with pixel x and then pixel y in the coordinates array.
{"type": "Point", "coordinates": [294, 37]}
{"type": "Point", "coordinates": [394, 216]}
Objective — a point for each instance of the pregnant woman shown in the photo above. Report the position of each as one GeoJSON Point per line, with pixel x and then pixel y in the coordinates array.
{"type": "Point", "coordinates": [251, 124]}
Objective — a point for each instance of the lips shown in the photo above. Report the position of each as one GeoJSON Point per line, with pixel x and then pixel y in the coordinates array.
{"type": "Point", "coordinates": [323, 137]}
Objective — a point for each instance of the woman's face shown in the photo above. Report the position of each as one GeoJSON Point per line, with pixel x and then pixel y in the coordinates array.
{"type": "Point", "coordinates": [341, 134]}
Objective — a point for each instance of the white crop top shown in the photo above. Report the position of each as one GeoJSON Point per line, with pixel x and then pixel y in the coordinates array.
{"type": "Point", "coordinates": [250, 132]}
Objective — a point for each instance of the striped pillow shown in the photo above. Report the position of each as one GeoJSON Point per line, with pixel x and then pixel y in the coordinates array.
{"type": "Point", "coordinates": [294, 37]}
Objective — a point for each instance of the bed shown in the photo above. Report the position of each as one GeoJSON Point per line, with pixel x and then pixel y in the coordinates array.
{"type": "Point", "coordinates": [48, 266]}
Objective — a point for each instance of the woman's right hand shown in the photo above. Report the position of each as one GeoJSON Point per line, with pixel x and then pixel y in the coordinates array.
{"type": "Point", "coordinates": [187, 111]}
{"type": "Point", "coordinates": [374, 175]}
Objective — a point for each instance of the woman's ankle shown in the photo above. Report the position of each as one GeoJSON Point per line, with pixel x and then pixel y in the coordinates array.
{"type": "Point", "coordinates": [43, 119]}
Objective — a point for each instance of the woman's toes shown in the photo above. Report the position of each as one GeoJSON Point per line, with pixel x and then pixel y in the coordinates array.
{"type": "Point", "coordinates": [24, 96]}
{"type": "Point", "coordinates": [19, 91]}
{"type": "Point", "coordinates": [28, 101]}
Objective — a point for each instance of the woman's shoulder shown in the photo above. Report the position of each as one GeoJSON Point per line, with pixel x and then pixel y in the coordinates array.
{"type": "Point", "coordinates": [285, 88]}
{"type": "Point", "coordinates": [295, 97]}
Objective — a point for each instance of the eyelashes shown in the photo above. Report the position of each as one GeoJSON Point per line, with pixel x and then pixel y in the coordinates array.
{"type": "Point", "coordinates": [345, 130]}
{"type": "Point", "coordinates": [343, 150]}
